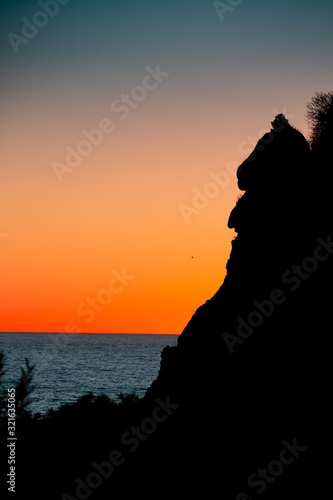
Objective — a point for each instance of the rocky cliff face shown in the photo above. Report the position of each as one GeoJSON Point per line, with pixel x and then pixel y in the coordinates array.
{"type": "Point", "coordinates": [281, 220]}
{"type": "Point", "coordinates": [251, 368]}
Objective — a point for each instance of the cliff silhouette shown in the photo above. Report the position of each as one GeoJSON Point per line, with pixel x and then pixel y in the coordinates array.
{"type": "Point", "coordinates": [240, 407]}
{"type": "Point", "coordinates": [252, 367]}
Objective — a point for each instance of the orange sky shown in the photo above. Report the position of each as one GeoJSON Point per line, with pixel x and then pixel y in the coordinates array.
{"type": "Point", "coordinates": [123, 207]}
{"type": "Point", "coordinates": [68, 237]}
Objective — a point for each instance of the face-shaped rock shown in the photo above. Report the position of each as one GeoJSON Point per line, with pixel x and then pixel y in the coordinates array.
{"type": "Point", "coordinates": [276, 160]}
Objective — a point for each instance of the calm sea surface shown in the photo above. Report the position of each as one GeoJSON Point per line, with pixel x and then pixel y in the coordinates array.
{"type": "Point", "coordinates": [69, 366]}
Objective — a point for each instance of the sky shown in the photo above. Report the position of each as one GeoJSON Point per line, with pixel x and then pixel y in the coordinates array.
{"type": "Point", "coordinates": [123, 123]}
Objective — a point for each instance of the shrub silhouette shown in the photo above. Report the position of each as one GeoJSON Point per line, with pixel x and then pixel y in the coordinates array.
{"type": "Point", "coordinates": [2, 387]}
{"type": "Point", "coordinates": [319, 115]}
{"type": "Point", "coordinates": [24, 389]}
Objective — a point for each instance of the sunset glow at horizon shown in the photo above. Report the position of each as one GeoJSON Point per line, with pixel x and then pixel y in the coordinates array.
{"type": "Point", "coordinates": [123, 125]}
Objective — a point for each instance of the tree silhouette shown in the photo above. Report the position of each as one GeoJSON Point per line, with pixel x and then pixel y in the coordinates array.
{"type": "Point", "coordinates": [2, 389]}
{"type": "Point", "coordinates": [23, 390]}
{"type": "Point", "coordinates": [319, 115]}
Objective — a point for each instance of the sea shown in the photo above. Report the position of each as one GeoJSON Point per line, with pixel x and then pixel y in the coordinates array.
{"type": "Point", "coordinates": [68, 366]}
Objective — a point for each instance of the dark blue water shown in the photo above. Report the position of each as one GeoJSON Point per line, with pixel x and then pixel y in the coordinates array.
{"type": "Point", "coordinates": [68, 366]}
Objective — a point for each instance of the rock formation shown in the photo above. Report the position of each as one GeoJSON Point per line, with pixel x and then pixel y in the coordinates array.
{"type": "Point", "coordinates": [251, 368]}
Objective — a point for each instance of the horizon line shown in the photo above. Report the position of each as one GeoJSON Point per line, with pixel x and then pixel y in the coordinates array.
{"type": "Point", "coordinates": [93, 333]}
